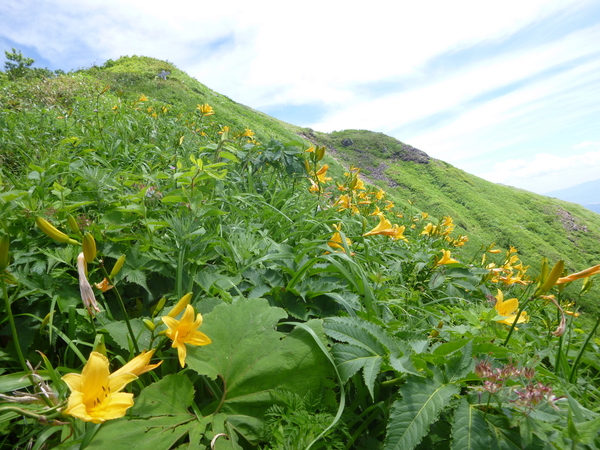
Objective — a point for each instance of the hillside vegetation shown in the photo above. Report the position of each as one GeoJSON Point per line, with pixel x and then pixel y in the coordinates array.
{"type": "Point", "coordinates": [180, 271]}
{"type": "Point", "coordinates": [536, 225]}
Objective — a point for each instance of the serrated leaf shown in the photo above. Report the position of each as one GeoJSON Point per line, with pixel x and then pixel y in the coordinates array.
{"type": "Point", "coordinates": [461, 365]}
{"type": "Point", "coordinates": [405, 365]}
{"type": "Point", "coordinates": [359, 332]}
{"type": "Point", "coordinates": [253, 360]}
{"type": "Point", "coordinates": [350, 359]}
{"type": "Point", "coordinates": [423, 399]}
{"type": "Point", "coordinates": [469, 431]}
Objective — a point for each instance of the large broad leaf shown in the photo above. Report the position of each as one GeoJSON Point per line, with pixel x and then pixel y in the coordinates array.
{"type": "Point", "coordinates": [164, 406]}
{"type": "Point", "coordinates": [470, 431]}
{"type": "Point", "coordinates": [423, 399]}
{"type": "Point", "coordinates": [252, 360]}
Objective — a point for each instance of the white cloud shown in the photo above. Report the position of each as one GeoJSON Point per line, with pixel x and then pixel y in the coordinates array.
{"type": "Point", "coordinates": [544, 172]}
{"type": "Point", "coordinates": [327, 51]}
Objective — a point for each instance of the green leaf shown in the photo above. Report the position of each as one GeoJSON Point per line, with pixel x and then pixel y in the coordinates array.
{"type": "Point", "coordinates": [423, 400]}
{"type": "Point", "coordinates": [461, 365]}
{"type": "Point", "coordinates": [252, 360]}
{"type": "Point", "coordinates": [361, 333]}
{"type": "Point", "coordinates": [170, 396]}
{"type": "Point", "coordinates": [157, 433]}
{"type": "Point", "coordinates": [469, 432]}
{"type": "Point", "coordinates": [350, 359]}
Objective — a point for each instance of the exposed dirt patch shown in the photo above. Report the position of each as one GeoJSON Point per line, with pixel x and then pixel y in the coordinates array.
{"type": "Point", "coordinates": [568, 221]}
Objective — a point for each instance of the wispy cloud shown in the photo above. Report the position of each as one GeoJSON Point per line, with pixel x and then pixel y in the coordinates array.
{"type": "Point", "coordinates": [474, 83]}
{"type": "Point", "coordinates": [544, 172]}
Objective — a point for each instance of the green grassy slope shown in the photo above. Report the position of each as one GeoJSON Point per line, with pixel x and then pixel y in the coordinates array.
{"type": "Point", "coordinates": [138, 74]}
{"type": "Point", "coordinates": [486, 212]}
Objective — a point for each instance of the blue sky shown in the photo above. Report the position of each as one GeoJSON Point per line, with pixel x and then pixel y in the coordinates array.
{"type": "Point", "coordinates": [509, 91]}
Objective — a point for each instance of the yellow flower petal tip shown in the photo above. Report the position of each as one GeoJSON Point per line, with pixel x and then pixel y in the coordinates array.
{"type": "Point", "coordinates": [185, 331]}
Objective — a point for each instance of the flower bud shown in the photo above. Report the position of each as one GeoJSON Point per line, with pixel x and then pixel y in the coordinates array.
{"type": "Point", "coordinates": [117, 267]}
{"type": "Point", "coordinates": [181, 304]}
{"type": "Point", "coordinates": [51, 231]}
{"type": "Point", "coordinates": [89, 247]}
{"type": "Point", "coordinates": [159, 306]}
{"type": "Point", "coordinates": [149, 324]}
{"type": "Point", "coordinates": [307, 166]}
{"type": "Point", "coordinates": [320, 152]}
{"type": "Point", "coordinates": [73, 225]}
{"type": "Point", "coordinates": [4, 255]}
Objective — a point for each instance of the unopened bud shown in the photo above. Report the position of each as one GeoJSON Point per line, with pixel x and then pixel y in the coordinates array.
{"type": "Point", "coordinates": [320, 152]}
{"type": "Point", "coordinates": [149, 324]}
{"type": "Point", "coordinates": [89, 247]}
{"type": "Point", "coordinates": [46, 321]}
{"type": "Point", "coordinates": [4, 254]}
{"type": "Point", "coordinates": [73, 225]}
{"type": "Point", "coordinates": [51, 231]}
{"type": "Point", "coordinates": [118, 266]}
{"type": "Point", "coordinates": [307, 166]}
{"type": "Point", "coordinates": [181, 304]}
{"type": "Point", "coordinates": [159, 306]}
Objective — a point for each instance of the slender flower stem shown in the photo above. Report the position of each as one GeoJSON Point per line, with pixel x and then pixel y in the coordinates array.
{"type": "Point", "coordinates": [127, 322]}
{"type": "Point", "coordinates": [15, 336]}
{"type": "Point", "coordinates": [582, 351]}
{"type": "Point", "coordinates": [13, 327]}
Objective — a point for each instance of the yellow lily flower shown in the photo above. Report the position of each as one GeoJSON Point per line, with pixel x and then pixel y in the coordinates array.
{"type": "Point", "coordinates": [336, 239]}
{"type": "Point", "coordinates": [95, 393]}
{"type": "Point", "coordinates": [138, 365]}
{"type": "Point", "coordinates": [446, 258]}
{"type": "Point", "coordinates": [594, 270]}
{"type": "Point", "coordinates": [384, 227]}
{"type": "Point", "coordinates": [185, 331]}
{"type": "Point", "coordinates": [321, 174]}
{"type": "Point", "coordinates": [508, 308]}
{"type": "Point", "coordinates": [343, 202]}
{"type": "Point", "coordinates": [205, 110]}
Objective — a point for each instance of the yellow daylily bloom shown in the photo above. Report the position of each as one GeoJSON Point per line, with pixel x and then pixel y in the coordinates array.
{"type": "Point", "coordinates": [594, 270]}
{"type": "Point", "coordinates": [508, 308]}
{"type": "Point", "coordinates": [357, 184]}
{"type": "Point", "coordinates": [185, 331]}
{"type": "Point", "coordinates": [143, 98]}
{"type": "Point", "coordinates": [321, 174]}
{"type": "Point", "coordinates": [384, 227]}
{"type": "Point", "coordinates": [429, 230]}
{"type": "Point", "coordinates": [446, 258]}
{"type": "Point", "coordinates": [138, 365]}
{"type": "Point", "coordinates": [95, 393]}
{"type": "Point", "coordinates": [336, 239]}
{"type": "Point", "coordinates": [205, 110]}
{"type": "Point", "coordinates": [103, 285]}
{"type": "Point", "coordinates": [343, 202]}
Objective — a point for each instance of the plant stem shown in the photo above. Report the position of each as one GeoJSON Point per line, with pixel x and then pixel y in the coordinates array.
{"type": "Point", "coordinates": [581, 352]}
{"type": "Point", "coordinates": [127, 322]}
{"type": "Point", "coordinates": [13, 327]}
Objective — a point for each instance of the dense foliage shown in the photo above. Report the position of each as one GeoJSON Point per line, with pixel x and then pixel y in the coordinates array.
{"type": "Point", "coordinates": [177, 279]}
